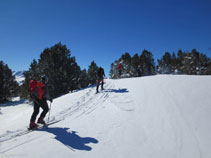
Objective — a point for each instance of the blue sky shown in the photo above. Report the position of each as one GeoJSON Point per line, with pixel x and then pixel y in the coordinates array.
{"type": "Point", "coordinates": [101, 30]}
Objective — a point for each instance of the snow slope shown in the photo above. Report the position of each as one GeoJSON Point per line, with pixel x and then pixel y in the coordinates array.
{"type": "Point", "coordinates": [162, 116]}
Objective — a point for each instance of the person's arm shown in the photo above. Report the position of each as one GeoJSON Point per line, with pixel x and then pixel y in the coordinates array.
{"type": "Point", "coordinates": [47, 94]}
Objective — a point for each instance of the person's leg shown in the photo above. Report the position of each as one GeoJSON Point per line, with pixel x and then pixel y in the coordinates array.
{"type": "Point", "coordinates": [98, 83]}
{"type": "Point", "coordinates": [120, 73]}
{"type": "Point", "coordinates": [102, 82]}
{"type": "Point", "coordinates": [35, 113]}
{"type": "Point", "coordinates": [34, 116]}
{"type": "Point", "coordinates": [44, 106]}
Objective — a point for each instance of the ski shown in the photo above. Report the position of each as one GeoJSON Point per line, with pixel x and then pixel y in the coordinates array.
{"type": "Point", "coordinates": [43, 126]}
{"type": "Point", "coordinates": [14, 134]}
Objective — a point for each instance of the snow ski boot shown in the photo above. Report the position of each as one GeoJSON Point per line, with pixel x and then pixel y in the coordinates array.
{"type": "Point", "coordinates": [41, 121]}
{"type": "Point", "coordinates": [32, 125]}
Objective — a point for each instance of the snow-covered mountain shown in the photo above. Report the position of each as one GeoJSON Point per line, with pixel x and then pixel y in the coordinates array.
{"type": "Point", "coordinates": [19, 77]}
{"type": "Point", "coordinates": [162, 116]}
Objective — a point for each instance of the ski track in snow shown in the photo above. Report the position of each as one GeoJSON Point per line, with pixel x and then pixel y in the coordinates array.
{"type": "Point", "coordinates": [90, 101]}
{"type": "Point", "coordinates": [84, 105]}
{"type": "Point", "coordinates": [15, 134]}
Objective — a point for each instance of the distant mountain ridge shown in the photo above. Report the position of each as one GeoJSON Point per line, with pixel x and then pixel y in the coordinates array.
{"type": "Point", "coordinates": [19, 76]}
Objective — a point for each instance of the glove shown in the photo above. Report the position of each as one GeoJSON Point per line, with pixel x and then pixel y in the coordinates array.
{"type": "Point", "coordinates": [51, 100]}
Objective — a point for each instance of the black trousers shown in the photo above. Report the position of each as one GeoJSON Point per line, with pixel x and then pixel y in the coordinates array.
{"type": "Point", "coordinates": [100, 80]}
{"type": "Point", "coordinates": [37, 104]}
{"type": "Point", "coordinates": [120, 73]}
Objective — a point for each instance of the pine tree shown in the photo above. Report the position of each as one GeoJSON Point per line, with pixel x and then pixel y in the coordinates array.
{"type": "Point", "coordinates": [135, 64]}
{"type": "Point", "coordinates": [83, 79]}
{"type": "Point", "coordinates": [164, 65]}
{"type": "Point", "coordinates": [195, 65]}
{"type": "Point", "coordinates": [8, 86]}
{"type": "Point", "coordinates": [190, 63]}
{"type": "Point", "coordinates": [32, 74]}
{"type": "Point", "coordinates": [74, 75]}
{"type": "Point", "coordinates": [114, 71]}
{"type": "Point", "coordinates": [92, 73]}
{"type": "Point", "coordinates": [147, 63]}
{"type": "Point", "coordinates": [126, 65]}
{"type": "Point", "coordinates": [174, 63]}
{"type": "Point", "coordinates": [59, 67]}
{"type": "Point", "coordinates": [209, 67]}
{"type": "Point", "coordinates": [56, 64]}
{"type": "Point", "coordinates": [204, 67]}
{"type": "Point", "coordinates": [180, 57]}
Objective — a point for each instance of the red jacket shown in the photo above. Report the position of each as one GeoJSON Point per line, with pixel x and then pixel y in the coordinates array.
{"type": "Point", "coordinates": [41, 89]}
{"type": "Point", "coordinates": [119, 66]}
{"type": "Point", "coordinates": [38, 89]}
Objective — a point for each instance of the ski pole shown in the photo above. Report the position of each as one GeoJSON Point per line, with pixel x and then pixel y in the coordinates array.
{"type": "Point", "coordinates": [49, 112]}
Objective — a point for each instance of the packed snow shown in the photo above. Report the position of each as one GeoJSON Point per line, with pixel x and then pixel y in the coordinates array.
{"type": "Point", "coordinates": [163, 116]}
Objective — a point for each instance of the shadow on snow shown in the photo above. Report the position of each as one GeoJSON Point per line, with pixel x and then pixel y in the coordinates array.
{"type": "Point", "coordinates": [71, 139]}
{"type": "Point", "coordinates": [12, 103]}
{"type": "Point", "coordinates": [123, 90]}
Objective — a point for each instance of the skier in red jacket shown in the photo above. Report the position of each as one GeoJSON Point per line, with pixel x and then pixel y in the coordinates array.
{"type": "Point", "coordinates": [39, 95]}
{"type": "Point", "coordinates": [119, 67]}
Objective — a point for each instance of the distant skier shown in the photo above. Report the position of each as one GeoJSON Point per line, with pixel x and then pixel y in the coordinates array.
{"type": "Point", "coordinates": [119, 67]}
{"type": "Point", "coordinates": [100, 76]}
{"type": "Point", "coordinates": [39, 95]}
